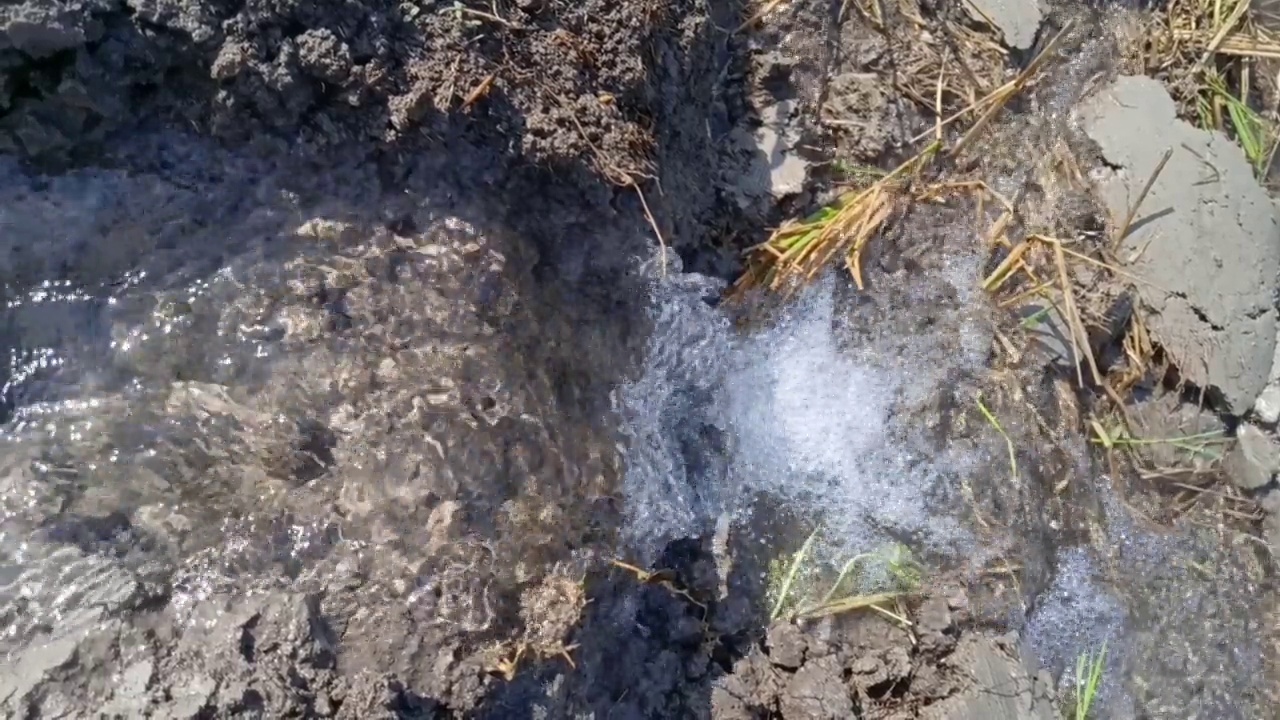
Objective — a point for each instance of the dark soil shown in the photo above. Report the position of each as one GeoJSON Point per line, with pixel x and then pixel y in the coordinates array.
{"type": "Point", "coordinates": [363, 275]}
{"type": "Point", "coordinates": [597, 96]}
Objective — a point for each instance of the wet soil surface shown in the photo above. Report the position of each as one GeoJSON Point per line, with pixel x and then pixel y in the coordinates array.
{"type": "Point", "coordinates": [317, 315]}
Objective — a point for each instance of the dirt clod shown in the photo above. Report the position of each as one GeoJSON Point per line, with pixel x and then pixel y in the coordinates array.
{"type": "Point", "coordinates": [786, 646]}
{"type": "Point", "coordinates": [816, 691]}
{"type": "Point", "coordinates": [868, 666]}
{"type": "Point", "coordinates": [1205, 241]}
{"type": "Point", "coordinates": [1255, 459]}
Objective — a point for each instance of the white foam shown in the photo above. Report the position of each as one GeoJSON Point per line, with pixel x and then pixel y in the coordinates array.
{"type": "Point", "coordinates": [797, 406]}
{"type": "Point", "coordinates": [1076, 616]}
{"type": "Point", "coordinates": [665, 410]}
{"type": "Point", "coordinates": [797, 416]}
{"type": "Point", "coordinates": [813, 426]}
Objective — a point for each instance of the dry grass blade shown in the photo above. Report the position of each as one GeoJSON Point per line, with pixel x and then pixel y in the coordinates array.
{"type": "Point", "coordinates": [1251, 47]}
{"type": "Point", "coordinates": [1006, 268]}
{"type": "Point", "coordinates": [798, 251]}
{"type": "Point", "coordinates": [1066, 309]}
{"type": "Point", "coordinates": [1227, 26]}
{"type": "Point", "coordinates": [1139, 352]}
{"type": "Point", "coordinates": [1133, 209]}
{"type": "Point", "coordinates": [792, 571]}
{"type": "Point", "coordinates": [997, 234]}
{"type": "Point", "coordinates": [1079, 336]}
{"type": "Point", "coordinates": [996, 101]}
{"type": "Point", "coordinates": [849, 604]}
{"type": "Point", "coordinates": [653, 223]}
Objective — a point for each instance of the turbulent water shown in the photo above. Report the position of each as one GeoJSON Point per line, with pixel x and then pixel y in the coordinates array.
{"type": "Point", "coordinates": [820, 419]}
{"type": "Point", "coordinates": [224, 417]}
{"type": "Point", "coordinates": [792, 412]}
{"type": "Point", "coordinates": [216, 403]}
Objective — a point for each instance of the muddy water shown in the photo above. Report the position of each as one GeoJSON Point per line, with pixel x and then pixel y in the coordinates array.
{"type": "Point", "coordinates": [250, 437]}
{"type": "Point", "coordinates": [390, 421]}
{"type": "Point", "coordinates": [245, 442]}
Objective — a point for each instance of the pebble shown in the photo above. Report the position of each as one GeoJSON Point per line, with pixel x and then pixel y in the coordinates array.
{"type": "Point", "coordinates": [1267, 406]}
{"type": "Point", "coordinates": [1255, 459]}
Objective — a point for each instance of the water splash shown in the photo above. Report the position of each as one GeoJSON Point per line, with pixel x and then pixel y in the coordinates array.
{"type": "Point", "coordinates": [675, 474]}
{"type": "Point", "coordinates": [797, 412]}
{"type": "Point", "coordinates": [815, 427]}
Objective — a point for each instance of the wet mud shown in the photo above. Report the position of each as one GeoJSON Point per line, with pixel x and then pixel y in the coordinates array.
{"type": "Point", "coordinates": [317, 316]}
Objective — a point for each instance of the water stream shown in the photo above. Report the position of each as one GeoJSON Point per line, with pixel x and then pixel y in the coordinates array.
{"type": "Point", "coordinates": [308, 411]}
{"type": "Point", "coordinates": [819, 413]}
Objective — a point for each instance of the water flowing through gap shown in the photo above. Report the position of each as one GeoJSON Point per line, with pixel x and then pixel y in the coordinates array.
{"type": "Point", "coordinates": [799, 411]}
{"type": "Point", "coordinates": [845, 411]}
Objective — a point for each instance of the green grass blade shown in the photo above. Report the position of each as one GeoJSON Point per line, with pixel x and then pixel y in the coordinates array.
{"type": "Point", "coordinates": [1089, 669]}
{"type": "Point", "coordinates": [1008, 441]}
{"type": "Point", "coordinates": [785, 590]}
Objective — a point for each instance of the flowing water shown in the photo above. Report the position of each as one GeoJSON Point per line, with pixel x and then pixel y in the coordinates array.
{"type": "Point", "coordinates": [819, 412]}
{"type": "Point", "coordinates": [797, 412]}
{"type": "Point", "coordinates": [217, 403]}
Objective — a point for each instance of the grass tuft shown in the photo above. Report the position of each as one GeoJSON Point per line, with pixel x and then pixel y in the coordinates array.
{"type": "Point", "coordinates": [846, 594]}
{"type": "Point", "coordinates": [798, 251]}
{"type": "Point", "coordinates": [784, 591]}
{"type": "Point", "coordinates": [1255, 135]}
{"type": "Point", "coordinates": [1089, 669]}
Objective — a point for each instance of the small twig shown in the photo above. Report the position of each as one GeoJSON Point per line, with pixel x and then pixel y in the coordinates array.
{"type": "Point", "coordinates": [758, 16]}
{"type": "Point", "coordinates": [480, 91]}
{"type": "Point", "coordinates": [662, 243]}
{"type": "Point", "coordinates": [937, 99]}
{"type": "Point", "coordinates": [662, 578]}
{"type": "Point", "coordinates": [1133, 209]}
